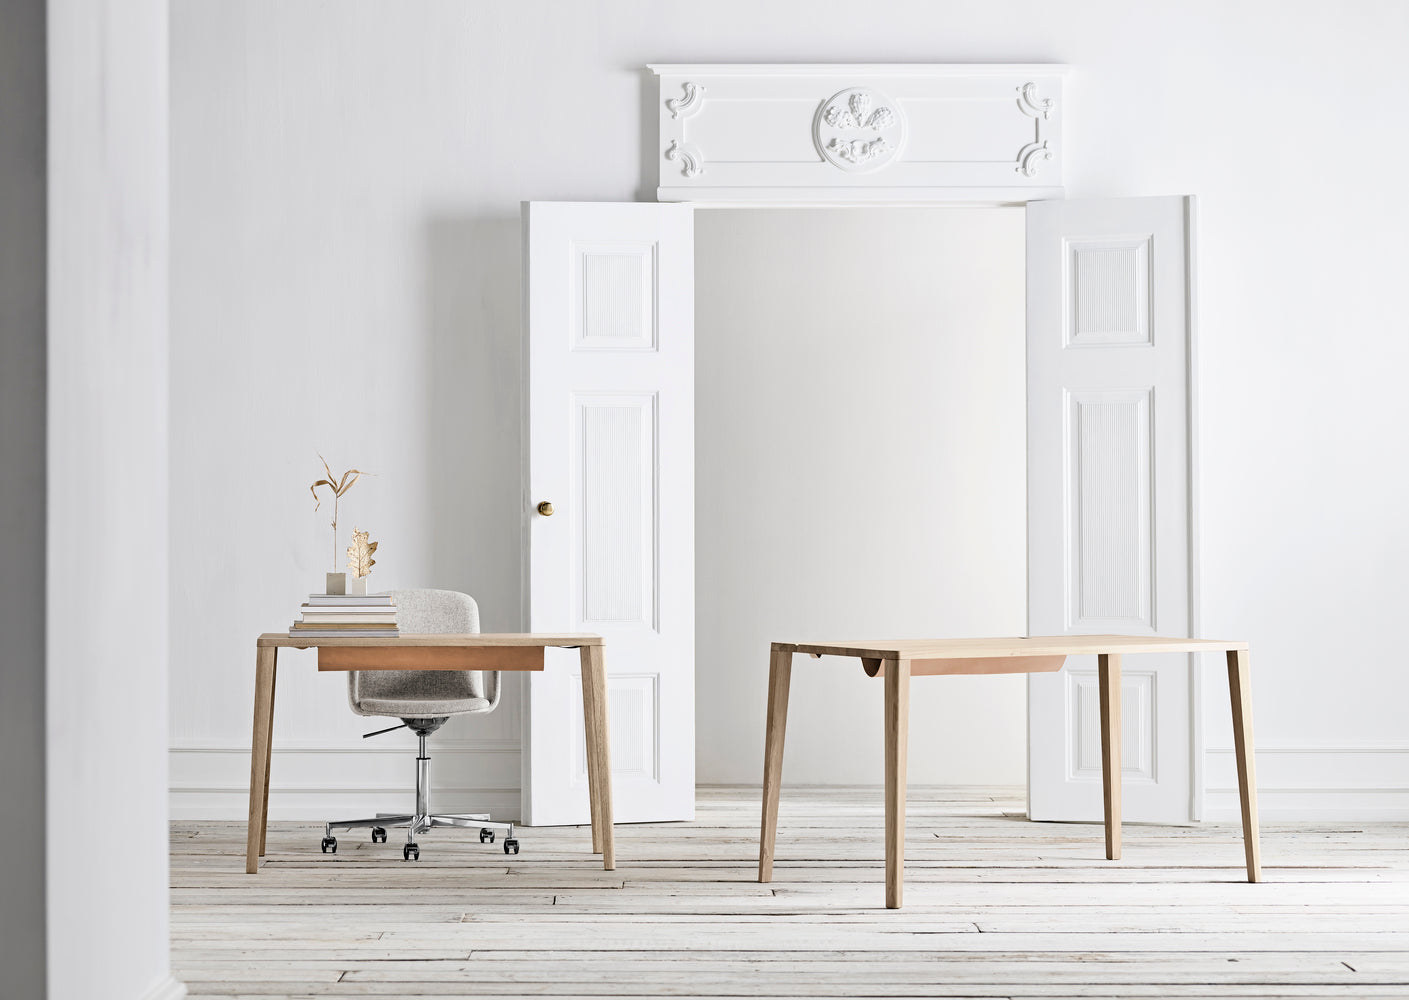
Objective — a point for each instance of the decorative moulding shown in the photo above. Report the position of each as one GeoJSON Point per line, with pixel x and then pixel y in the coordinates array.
{"type": "Point", "coordinates": [834, 133]}
{"type": "Point", "coordinates": [858, 129]}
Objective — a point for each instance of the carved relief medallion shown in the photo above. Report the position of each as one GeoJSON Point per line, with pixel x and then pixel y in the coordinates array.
{"type": "Point", "coordinates": [858, 129]}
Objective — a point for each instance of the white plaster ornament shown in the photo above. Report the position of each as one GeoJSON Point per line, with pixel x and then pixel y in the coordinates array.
{"type": "Point", "coordinates": [859, 129]}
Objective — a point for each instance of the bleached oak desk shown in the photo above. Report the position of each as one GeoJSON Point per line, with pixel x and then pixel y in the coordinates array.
{"type": "Point", "coordinates": [899, 659]}
{"type": "Point", "coordinates": [480, 651]}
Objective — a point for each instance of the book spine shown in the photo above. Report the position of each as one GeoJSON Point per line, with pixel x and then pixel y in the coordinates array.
{"type": "Point", "coordinates": [350, 619]}
{"type": "Point", "coordinates": [343, 634]}
{"type": "Point", "coordinates": [334, 602]}
{"type": "Point", "coordinates": [320, 627]}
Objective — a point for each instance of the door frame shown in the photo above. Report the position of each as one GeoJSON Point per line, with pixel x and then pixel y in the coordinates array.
{"type": "Point", "coordinates": [1197, 794]}
{"type": "Point", "coordinates": [1197, 790]}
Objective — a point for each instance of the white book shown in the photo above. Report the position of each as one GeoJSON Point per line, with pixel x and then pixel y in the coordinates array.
{"type": "Point", "coordinates": [345, 633]}
{"type": "Point", "coordinates": [348, 619]}
{"type": "Point", "coordinates": [335, 600]}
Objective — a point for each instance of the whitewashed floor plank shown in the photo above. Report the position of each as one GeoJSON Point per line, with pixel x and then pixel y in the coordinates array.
{"type": "Point", "coordinates": [996, 907]}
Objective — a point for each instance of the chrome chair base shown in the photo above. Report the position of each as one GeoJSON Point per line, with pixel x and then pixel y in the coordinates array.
{"type": "Point", "coordinates": [422, 820]}
{"type": "Point", "coordinates": [420, 824]}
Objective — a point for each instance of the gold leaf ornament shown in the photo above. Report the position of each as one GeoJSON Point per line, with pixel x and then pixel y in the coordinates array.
{"type": "Point", "coordinates": [359, 554]}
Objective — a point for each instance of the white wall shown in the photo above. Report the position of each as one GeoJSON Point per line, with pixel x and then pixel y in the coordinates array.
{"type": "Point", "coordinates": [860, 464]}
{"type": "Point", "coordinates": [106, 595]}
{"type": "Point", "coordinates": [333, 291]}
{"type": "Point", "coordinates": [345, 183]}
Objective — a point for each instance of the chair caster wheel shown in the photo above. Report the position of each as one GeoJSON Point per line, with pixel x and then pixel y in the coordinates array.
{"type": "Point", "coordinates": [511, 846]}
{"type": "Point", "coordinates": [410, 853]}
{"type": "Point", "coordinates": [379, 835]}
{"type": "Point", "coordinates": [486, 836]}
{"type": "Point", "coordinates": [330, 845]}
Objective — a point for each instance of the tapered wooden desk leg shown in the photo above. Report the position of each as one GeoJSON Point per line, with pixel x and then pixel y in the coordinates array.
{"type": "Point", "coordinates": [259, 755]}
{"type": "Point", "coordinates": [897, 739]}
{"type": "Point", "coordinates": [269, 726]}
{"type": "Point", "coordinates": [780, 669]}
{"type": "Point", "coordinates": [599, 757]}
{"type": "Point", "coordinates": [589, 721]}
{"type": "Point", "coordinates": [1109, 679]}
{"type": "Point", "coordinates": [1241, 695]}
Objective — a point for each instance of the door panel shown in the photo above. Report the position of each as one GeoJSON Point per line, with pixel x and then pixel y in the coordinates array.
{"type": "Point", "coordinates": [609, 293]}
{"type": "Point", "coordinates": [1109, 493]}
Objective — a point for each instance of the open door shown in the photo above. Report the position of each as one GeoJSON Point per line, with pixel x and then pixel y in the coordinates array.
{"type": "Point", "coordinates": [609, 305]}
{"type": "Point", "coordinates": [1109, 332]}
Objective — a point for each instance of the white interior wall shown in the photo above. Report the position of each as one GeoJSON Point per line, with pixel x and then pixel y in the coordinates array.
{"type": "Point", "coordinates": [106, 574]}
{"type": "Point", "coordinates": [860, 472]}
{"type": "Point", "coordinates": [345, 185]}
{"type": "Point", "coordinates": [335, 294]}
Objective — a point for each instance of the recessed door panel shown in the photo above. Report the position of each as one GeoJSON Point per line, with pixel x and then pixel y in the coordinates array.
{"type": "Point", "coordinates": [614, 542]}
{"type": "Point", "coordinates": [1108, 475]}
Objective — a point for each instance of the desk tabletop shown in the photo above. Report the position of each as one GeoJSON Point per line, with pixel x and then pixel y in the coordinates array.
{"type": "Point", "coordinates": [405, 640]}
{"type": "Point", "coordinates": [1051, 645]}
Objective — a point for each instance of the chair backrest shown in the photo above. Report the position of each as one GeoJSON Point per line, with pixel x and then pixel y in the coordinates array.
{"type": "Point", "coordinates": [427, 611]}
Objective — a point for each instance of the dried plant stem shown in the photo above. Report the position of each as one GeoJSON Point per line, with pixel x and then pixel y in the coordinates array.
{"type": "Point", "coordinates": [337, 487]}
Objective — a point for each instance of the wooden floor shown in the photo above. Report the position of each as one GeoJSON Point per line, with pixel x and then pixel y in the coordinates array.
{"type": "Point", "coordinates": [995, 906]}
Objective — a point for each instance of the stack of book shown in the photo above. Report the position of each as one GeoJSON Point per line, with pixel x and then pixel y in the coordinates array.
{"type": "Point", "coordinates": [351, 616]}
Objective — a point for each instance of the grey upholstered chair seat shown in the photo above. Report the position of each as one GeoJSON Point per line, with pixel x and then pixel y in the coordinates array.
{"type": "Point", "coordinates": [406, 708]}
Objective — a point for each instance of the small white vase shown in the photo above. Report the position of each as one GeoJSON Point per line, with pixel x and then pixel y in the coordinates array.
{"type": "Point", "coordinates": [357, 585]}
{"type": "Point", "coordinates": [337, 584]}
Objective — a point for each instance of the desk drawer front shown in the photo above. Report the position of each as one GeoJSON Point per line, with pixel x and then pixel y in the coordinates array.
{"type": "Point", "coordinates": [431, 658]}
{"type": "Point", "coordinates": [975, 665]}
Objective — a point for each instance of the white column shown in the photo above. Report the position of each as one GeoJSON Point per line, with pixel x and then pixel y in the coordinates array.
{"type": "Point", "coordinates": [106, 678]}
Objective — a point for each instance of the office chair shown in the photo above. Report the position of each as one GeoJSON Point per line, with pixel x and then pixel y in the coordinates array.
{"type": "Point", "coordinates": [424, 700]}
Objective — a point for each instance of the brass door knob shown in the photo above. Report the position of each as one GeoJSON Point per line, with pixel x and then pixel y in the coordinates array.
{"type": "Point", "coordinates": [546, 509]}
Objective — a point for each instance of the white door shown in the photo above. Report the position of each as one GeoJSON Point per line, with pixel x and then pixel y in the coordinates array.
{"type": "Point", "coordinates": [609, 298]}
{"type": "Point", "coordinates": [1109, 331]}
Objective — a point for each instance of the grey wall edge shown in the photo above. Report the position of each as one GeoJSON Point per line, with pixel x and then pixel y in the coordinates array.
{"type": "Point", "coordinates": [23, 348]}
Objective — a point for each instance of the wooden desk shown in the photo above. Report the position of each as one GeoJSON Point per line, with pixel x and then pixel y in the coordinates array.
{"type": "Point", "coordinates": [899, 659]}
{"type": "Point", "coordinates": [480, 651]}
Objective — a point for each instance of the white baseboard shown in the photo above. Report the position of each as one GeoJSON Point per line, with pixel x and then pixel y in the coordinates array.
{"type": "Point", "coordinates": [313, 782]}
{"type": "Point", "coordinates": [169, 988]}
{"type": "Point", "coordinates": [1331, 783]}
{"type": "Point", "coordinates": [316, 782]}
